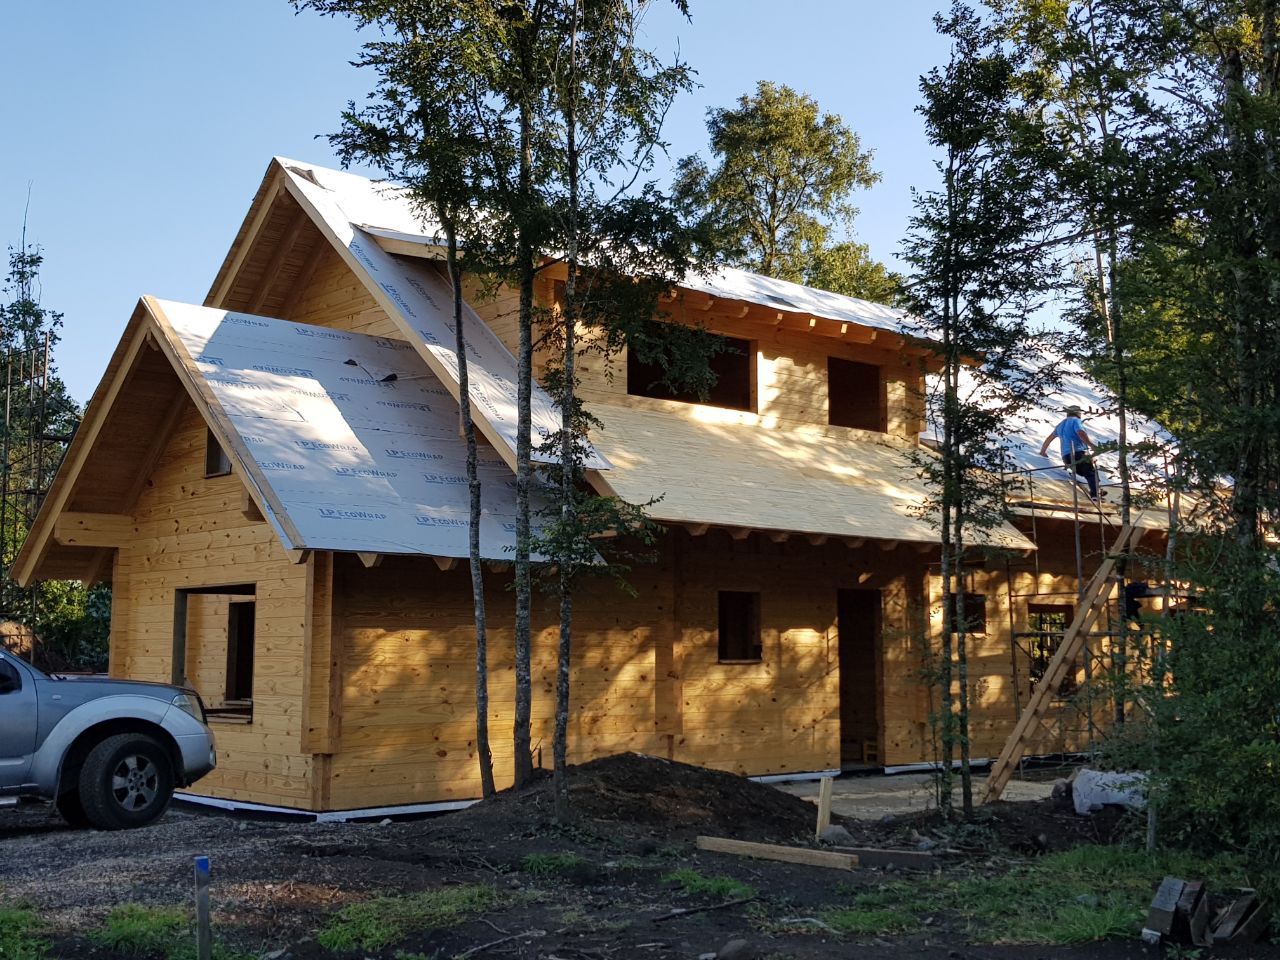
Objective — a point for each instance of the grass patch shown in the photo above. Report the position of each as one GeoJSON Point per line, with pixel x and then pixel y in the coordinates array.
{"type": "Point", "coordinates": [869, 921]}
{"type": "Point", "coordinates": [545, 865]}
{"type": "Point", "coordinates": [698, 884]}
{"type": "Point", "coordinates": [142, 931]}
{"type": "Point", "coordinates": [20, 937]}
{"type": "Point", "coordinates": [375, 924]}
{"type": "Point", "coordinates": [1083, 895]}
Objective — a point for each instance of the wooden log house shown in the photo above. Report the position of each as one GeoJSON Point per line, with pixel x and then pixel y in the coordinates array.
{"type": "Point", "coordinates": [231, 480]}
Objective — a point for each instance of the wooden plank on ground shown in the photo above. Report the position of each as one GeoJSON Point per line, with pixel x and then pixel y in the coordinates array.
{"type": "Point", "coordinates": [773, 851]}
{"type": "Point", "coordinates": [905, 859]}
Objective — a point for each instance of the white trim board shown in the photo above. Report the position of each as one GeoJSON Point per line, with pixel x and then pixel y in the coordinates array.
{"type": "Point", "coordinates": [323, 816]}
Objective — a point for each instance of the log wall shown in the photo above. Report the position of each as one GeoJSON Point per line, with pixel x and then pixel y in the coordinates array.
{"type": "Point", "coordinates": [191, 532]}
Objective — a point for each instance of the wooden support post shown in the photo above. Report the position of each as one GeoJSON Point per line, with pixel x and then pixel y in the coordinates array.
{"type": "Point", "coordinates": [178, 671]}
{"type": "Point", "coordinates": [825, 786]}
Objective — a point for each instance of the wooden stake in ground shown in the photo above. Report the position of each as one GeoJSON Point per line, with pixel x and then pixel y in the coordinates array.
{"type": "Point", "coordinates": [824, 804]}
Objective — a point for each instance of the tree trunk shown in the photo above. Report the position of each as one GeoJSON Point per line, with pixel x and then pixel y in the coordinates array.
{"type": "Point", "coordinates": [523, 756]}
{"type": "Point", "coordinates": [484, 755]}
{"type": "Point", "coordinates": [568, 452]}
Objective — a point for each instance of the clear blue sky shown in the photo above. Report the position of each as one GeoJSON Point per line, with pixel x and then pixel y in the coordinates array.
{"type": "Point", "coordinates": [144, 127]}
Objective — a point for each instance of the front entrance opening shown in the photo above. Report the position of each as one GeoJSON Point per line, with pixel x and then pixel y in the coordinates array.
{"type": "Point", "coordinates": [858, 626]}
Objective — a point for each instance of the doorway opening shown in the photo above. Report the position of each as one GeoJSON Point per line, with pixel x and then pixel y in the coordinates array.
{"type": "Point", "coordinates": [858, 628]}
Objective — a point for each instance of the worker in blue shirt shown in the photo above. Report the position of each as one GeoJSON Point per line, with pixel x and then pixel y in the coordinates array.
{"type": "Point", "coordinates": [1074, 444]}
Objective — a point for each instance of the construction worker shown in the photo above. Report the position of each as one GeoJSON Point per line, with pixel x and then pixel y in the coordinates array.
{"type": "Point", "coordinates": [1074, 444]}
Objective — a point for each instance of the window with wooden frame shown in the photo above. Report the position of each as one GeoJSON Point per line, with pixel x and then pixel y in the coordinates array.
{"type": "Point", "coordinates": [1046, 626]}
{"type": "Point", "coordinates": [855, 395]}
{"type": "Point", "coordinates": [973, 614]}
{"type": "Point", "coordinates": [738, 630]}
{"type": "Point", "coordinates": [216, 461]}
{"type": "Point", "coordinates": [733, 367]}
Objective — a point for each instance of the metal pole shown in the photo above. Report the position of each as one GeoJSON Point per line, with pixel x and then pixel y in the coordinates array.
{"type": "Point", "coordinates": [204, 936]}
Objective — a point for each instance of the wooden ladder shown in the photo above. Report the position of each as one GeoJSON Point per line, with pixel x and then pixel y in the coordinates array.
{"type": "Point", "coordinates": [1096, 596]}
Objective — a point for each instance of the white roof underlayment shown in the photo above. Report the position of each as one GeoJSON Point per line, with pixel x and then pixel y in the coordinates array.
{"type": "Point", "coordinates": [1027, 430]}
{"type": "Point", "coordinates": [420, 302]}
{"type": "Point", "coordinates": [383, 209]}
{"type": "Point", "coordinates": [353, 438]}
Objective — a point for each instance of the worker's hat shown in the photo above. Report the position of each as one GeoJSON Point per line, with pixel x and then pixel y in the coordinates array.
{"type": "Point", "coordinates": [1072, 410]}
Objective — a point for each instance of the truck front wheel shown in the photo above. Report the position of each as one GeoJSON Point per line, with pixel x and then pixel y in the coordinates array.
{"type": "Point", "coordinates": [126, 781]}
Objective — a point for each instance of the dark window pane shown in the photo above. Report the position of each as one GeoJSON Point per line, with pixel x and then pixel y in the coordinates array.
{"type": "Point", "coordinates": [974, 613]}
{"type": "Point", "coordinates": [855, 395]}
{"type": "Point", "coordinates": [732, 368]}
{"type": "Point", "coordinates": [240, 632]}
{"type": "Point", "coordinates": [739, 628]}
{"type": "Point", "coordinates": [216, 461]}
{"type": "Point", "coordinates": [1046, 626]}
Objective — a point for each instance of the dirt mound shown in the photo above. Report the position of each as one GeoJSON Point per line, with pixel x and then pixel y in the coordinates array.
{"type": "Point", "coordinates": [683, 800]}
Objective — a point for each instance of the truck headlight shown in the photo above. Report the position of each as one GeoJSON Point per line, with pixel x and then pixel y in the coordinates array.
{"type": "Point", "coordinates": [189, 703]}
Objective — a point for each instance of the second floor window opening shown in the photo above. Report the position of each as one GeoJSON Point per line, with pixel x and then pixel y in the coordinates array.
{"type": "Point", "coordinates": [855, 395]}
{"type": "Point", "coordinates": [733, 367]}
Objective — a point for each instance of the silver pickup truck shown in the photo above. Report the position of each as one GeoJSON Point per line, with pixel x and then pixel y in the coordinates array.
{"type": "Point", "coordinates": [108, 753]}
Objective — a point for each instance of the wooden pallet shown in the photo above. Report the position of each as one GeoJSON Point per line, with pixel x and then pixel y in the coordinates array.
{"type": "Point", "coordinates": [1028, 728]}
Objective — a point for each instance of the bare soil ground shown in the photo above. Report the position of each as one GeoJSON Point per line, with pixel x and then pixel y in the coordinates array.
{"type": "Point", "coordinates": [597, 889]}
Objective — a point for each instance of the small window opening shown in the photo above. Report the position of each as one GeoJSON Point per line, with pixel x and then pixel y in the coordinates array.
{"type": "Point", "coordinates": [1046, 626]}
{"type": "Point", "coordinates": [241, 617]}
{"type": "Point", "coordinates": [855, 395]}
{"type": "Point", "coordinates": [732, 367]}
{"type": "Point", "coordinates": [739, 627]}
{"type": "Point", "coordinates": [216, 461]}
{"type": "Point", "coordinates": [973, 615]}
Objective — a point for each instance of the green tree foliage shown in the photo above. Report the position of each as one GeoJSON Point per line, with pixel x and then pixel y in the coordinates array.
{"type": "Point", "coordinates": [527, 131]}
{"type": "Point", "coordinates": [433, 126]}
{"type": "Point", "coordinates": [623, 248]}
{"type": "Point", "coordinates": [70, 623]}
{"type": "Point", "coordinates": [977, 269]}
{"type": "Point", "coordinates": [1210, 276]}
{"type": "Point", "coordinates": [783, 178]}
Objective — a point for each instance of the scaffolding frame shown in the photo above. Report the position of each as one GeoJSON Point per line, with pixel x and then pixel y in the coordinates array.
{"type": "Point", "coordinates": [1109, 597]}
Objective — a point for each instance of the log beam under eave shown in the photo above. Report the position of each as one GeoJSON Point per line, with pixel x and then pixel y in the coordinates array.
{"type": "Point", "coordinates": [73, 529]}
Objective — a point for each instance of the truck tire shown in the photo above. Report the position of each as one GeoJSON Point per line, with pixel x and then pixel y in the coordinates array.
{"type": "Point", "coordinates": [126, 781]}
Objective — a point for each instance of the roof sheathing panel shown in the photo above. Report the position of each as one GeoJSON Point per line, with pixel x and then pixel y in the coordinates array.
{"type": "Point", "coordinates": [708, 468]}
{"type": "Point", "coordinates": [419, 302]}
{"type": "Point", "coordinates": [351, 441]}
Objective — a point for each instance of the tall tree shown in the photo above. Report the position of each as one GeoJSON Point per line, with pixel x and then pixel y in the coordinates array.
{"type": "Point", "coordinates": [1087, 80]}
{"type": "Point", "coordinates": [976, 274]}
{"type": "Point", "coordinates": [623, 248]}
{"type": "Point", "coordinates": [1214, 271]}
{"type": "Point", "coordinates": [782, 183]}
{"type": "Point", "coordinates": [432, 125]}
{"type": "Point", "coordinates": [37, 417]}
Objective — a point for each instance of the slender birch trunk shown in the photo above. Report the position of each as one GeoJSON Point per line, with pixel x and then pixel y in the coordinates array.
{"type": "Point", "coordinates": [484, 755]}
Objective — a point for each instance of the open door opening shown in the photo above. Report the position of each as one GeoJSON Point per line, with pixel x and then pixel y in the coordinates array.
{"type": "Point", "coordinates": [858, 626]}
